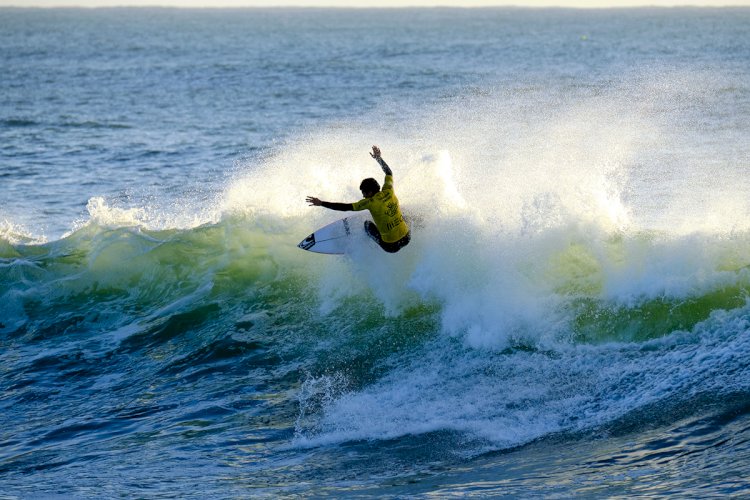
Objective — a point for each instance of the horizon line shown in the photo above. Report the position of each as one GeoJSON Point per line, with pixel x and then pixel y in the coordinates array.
{"type": "Point", "coordinates": [375, 7]}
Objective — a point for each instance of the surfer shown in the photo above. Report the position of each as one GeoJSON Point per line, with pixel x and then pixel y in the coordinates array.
{"type": "Point", "coordinates": [389, 230]}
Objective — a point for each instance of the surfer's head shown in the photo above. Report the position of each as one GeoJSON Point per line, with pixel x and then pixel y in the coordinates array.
{"type": "Point", "coordinates": [369, 187]}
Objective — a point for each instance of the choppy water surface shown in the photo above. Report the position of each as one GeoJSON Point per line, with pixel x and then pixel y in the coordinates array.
{"type": "Point", "coordinates": [571, 317]}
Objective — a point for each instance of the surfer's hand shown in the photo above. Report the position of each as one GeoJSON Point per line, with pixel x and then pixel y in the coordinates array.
{"type": "Point", "coordinates": [313, 201]}
{"type": "Point", "coordinates": [375, 152]}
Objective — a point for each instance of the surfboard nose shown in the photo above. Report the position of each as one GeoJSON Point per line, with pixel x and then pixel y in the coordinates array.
{"type": "Point", "coordinates": [307, 243]}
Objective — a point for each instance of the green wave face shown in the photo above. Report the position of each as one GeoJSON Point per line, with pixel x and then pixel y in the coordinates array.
{"type": "Point", "coordinates": [648, 285]}
{"type": "Point", "coordinates": [148, 288]}
{"type": "Point", "coordinates": [571, 286]}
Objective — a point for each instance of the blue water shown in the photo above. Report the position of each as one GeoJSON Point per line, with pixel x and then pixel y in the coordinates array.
{"type": "Point", "coordinates": [570, 319]}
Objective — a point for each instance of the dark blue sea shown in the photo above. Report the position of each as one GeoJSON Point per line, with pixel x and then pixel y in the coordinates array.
{"type": "Point", "coordinates": [571, 318]}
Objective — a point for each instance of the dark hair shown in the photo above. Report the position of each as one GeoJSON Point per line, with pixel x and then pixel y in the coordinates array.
{"type": "Point", "coordinates": [369, 185]}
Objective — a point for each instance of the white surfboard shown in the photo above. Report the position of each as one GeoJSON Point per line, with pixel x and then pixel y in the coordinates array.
{"type": "Point", "coordinates": [335, 238]}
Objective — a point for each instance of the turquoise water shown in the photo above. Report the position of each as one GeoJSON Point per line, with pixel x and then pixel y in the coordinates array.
{"type": "Point", "coordinates": [570, 319]}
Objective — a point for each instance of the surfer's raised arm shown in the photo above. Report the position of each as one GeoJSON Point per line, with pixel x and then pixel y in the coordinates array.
{"type": "Point", "coordinates": [369, 188]}
{"type": "Point", "coordinates": [376, 154]}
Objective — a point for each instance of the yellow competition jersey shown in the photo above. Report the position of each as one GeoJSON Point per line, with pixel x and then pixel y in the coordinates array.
{"type": "Point", "coordinates": [386, 212]}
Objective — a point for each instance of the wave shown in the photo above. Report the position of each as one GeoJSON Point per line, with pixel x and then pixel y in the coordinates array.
{"type": "Point", "coordinates": [17, 122]}
{"type": "Point", "coordinates": [564, 276]}
{"type": "Point", "coordinates": [554, 332]}
{"type": "Point", "coordinates": [574, 282]}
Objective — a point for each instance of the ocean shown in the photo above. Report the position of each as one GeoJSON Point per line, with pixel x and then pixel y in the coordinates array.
{"type": "Point", "coordinates": [571, 318]}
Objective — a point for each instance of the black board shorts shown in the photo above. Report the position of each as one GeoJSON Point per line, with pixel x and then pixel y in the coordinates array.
{"type": "Point", "coordinates": [374, 233]}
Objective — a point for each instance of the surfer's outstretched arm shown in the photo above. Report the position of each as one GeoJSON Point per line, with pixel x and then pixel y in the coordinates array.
{"type": "Point", "coordinates": [342, 207]}
{"type": "Point", "coordinates": [376, 154]}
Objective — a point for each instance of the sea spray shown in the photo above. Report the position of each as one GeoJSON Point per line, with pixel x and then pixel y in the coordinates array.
{"type": "Point", "coordinates": [569, 319]}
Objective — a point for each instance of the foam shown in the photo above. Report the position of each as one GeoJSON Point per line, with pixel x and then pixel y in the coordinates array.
{"type": "Point", "coordinates": [177, 214]}
{"type": "Point", "coordinates": [15, 234]}
{"type": "Point", "coordinates": [506, 400]}
{"type": "Point", "coordinates": [528, 198]}
{"type": "Point", "coordinates": [532, 202]}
